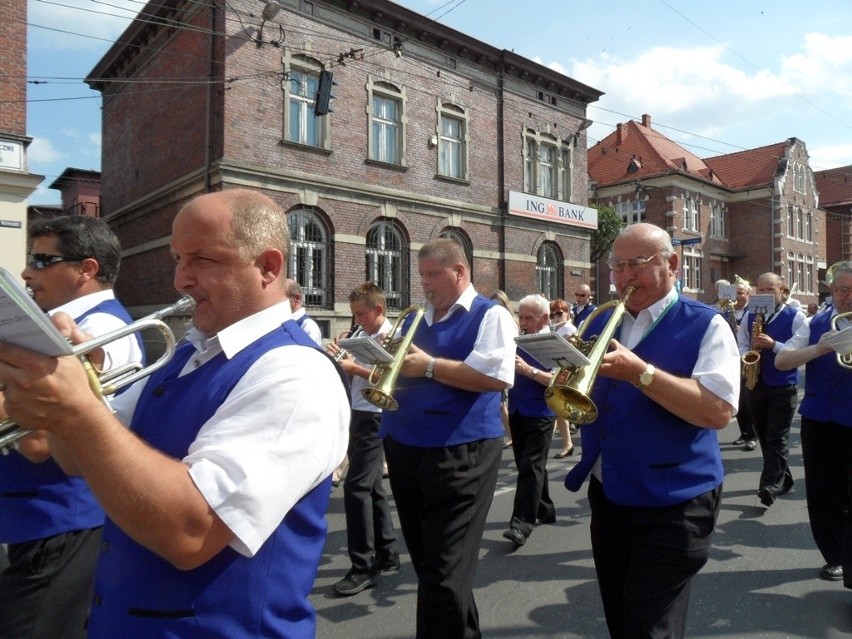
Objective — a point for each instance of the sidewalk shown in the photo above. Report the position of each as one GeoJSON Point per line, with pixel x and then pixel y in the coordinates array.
{"type": "Point", "coordinates": [761, 580]}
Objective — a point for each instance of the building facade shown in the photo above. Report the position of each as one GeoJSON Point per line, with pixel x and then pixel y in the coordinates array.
{"type": "Point", "coordinates": [16, 182]}
{"type": "Point", "coordinates": [431, 133]}
{"type": "Point", "coordinates": [740, 214]}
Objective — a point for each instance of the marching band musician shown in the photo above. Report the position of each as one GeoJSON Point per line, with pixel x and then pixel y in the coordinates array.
{"type": "Point", "coordinates": [826, 411]}
{"type": "Point", "coordinates": [370, 536]}
{"type": "Point", "coordinates": [51, 521]}
{"type": "Point", "coordinates": [216, 494]}
{"type": "Point", "coordinates": [772, 401]}
{"type": "Point", "coordinates": [444, 443]}
{"type": "Point", "coordinates": [747, 438]}
{"type": "Point", "coordinates": [668, 382]}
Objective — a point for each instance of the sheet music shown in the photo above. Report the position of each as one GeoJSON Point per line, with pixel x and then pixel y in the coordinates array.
{"type": "Point", "coordinates": [366, 350]}
{"type": "Point", "coordinates": [727, 292]}
{"type": "Point", "coordinates": [552, 350]}
{"type": "Point", "coordinates": [24, 324]}
{"type": "Point", "coordinates": [841, 341]}
{"type": "Point", "coordinates": [763, 303]}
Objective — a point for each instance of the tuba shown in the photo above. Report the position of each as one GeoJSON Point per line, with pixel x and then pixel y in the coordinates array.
{"type": "Point", "coordinates": [844, 360]}
{"type": "Point", "coordinates": [751, 358]}
{"type": "Point", "coordinates": [383, 377]}
{"type": "Point", "coordinates": [111, 381]}
{"type": "Point", "coordinates": [568, 393]}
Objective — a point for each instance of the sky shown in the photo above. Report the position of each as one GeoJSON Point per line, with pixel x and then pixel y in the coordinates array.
{"type": "Point", "coordinates": [716, 77]}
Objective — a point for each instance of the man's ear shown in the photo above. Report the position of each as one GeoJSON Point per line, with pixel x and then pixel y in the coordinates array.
{"type": "Point", "coordinates": [89, 268]}
{"type": "Point", "coordinates": [270, 263]}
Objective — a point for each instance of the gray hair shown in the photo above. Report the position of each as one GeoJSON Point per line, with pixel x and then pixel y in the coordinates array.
{"type": "Point", "coordinates": [537, 302]}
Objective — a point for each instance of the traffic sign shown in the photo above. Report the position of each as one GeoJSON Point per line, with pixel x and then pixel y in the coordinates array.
{"type": "Point", "coordinates": [686, 241]}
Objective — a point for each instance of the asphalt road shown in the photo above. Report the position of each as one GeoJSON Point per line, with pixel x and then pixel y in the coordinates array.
{"type": "Point", "coordinates": [761, 580]}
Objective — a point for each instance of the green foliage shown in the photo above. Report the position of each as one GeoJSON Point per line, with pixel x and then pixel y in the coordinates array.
{"type": "Point", "coordinates": [609, 225]}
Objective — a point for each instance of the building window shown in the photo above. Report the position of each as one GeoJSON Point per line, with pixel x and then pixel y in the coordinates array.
{"type": "Point", "coordinates": [718, 228]}
{"type": "Point", "coordinates": [460, 237]}
{"type": "Point", "coordinates": [387, 123]}
{"type": "Point", "coordinates": [452, 142]}
{"type": "Point", "coordinates": [799, 178]}
{"type": "Point", "coordinates": [800, 280]}
{"type": "Point", "coordinates": [690, 214]}
{"type": "Point", "coordinates": [547, 166]}
{"type": "Point", "coordinates": [310, 257]}
{"type": "Point", "coordinates": [301, 77]}
{"type": "Point", "coordinates": [549, 271]}
{"type": "Point", "coordinates": [387, 263]}
{"type": "Point", "coordinates": [631, 212]}
{"type": "Point", "coordinates": [791, 268]}
{"type": "Point", "coordinates": [809, 274]}
{"type": "Point", "coordinates": [809, 218]}
{"type": "Point", "coordinates": [800, 223]}
{"type": "Point", "coordinates": [692, 269]}
{"type": "Point", "coordinates": [791, 221]}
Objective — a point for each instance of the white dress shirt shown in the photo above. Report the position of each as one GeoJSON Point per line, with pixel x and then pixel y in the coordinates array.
{"type": "Point", "coordinates": [309, 326]}
{"type": "Point", "coordinates": [360, 383]}
{"type": "Point", "coordinates": [282, 430]}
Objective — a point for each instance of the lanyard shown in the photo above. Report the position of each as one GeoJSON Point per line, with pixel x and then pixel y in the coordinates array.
{"type": "Point", "coordinates": [653, 325]}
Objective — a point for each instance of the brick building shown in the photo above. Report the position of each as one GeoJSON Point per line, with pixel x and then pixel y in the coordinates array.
{"type": "Point", "coordinates": [835, 197]}
{"type": "Point", "coordinates": [743, 213]}
{"type": "Point", "coordinates": [16, 182]}
{"type": "Point", "coordinates": [432, 133]}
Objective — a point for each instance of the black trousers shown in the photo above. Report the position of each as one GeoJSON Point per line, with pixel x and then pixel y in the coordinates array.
{"type": "Point", "coordinates": [744, 418]}
{"type": "Point", "coordinates": [46, 591]}
{"type": "Point", "coordinates": [442, 498]}
{"type": "Point", "coordinates": [369, 525]}
{"type": "Point", "coordinates": [827, 456]}
{"type": "Point", "coordinates": [531, 437]}
{"type": "Point", "coordinates": [773, 409]}
{"type": "Point", "coordinates": [645, 559]}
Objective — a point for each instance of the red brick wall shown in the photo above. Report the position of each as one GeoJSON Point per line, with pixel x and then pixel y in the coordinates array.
{"type": "Point", "coordinates": [13, 66]}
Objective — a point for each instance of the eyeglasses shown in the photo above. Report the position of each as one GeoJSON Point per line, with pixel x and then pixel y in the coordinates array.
{"type": "Point", "coordinates": [580, 295]}
{"type": "Point", "coordinates": [557, 314]}
{"type": "Point", "coordinates": [635, 264]}
{"type": "Point", "coordinates": [39, 261]}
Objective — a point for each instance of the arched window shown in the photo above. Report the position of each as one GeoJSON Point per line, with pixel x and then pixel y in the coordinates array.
{"type": "Point", "coordinates": [462, 238]}
{"type": "Point", "coordinates": [549, 271]}
{"type": "Point", "coordinates": [310, 257]}
{"type": "Point", "coordinates": [387, 263]}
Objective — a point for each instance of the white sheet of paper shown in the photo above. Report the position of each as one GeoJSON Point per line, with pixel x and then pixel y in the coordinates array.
{"type": "Point", "coordinates": [24, 324]}
{"type": "Point", "coordinates": [366, 350]}
{"type": "Point", "coordinates": [552, 350]}
{"type": "Point", "coordinates": [841, 341]}
{"type": "Point", "coordinates": [761, 304]}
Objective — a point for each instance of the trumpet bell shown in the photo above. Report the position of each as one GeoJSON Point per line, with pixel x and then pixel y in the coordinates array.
{"type": "Point", "coordinates": [378, 397]}
{"type": "Point", "coordinates": [572, 404]}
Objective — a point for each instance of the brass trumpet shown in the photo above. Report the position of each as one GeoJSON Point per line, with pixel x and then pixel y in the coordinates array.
{"type": "Point", "coordinates": [108, 382]}
{"type": "Point", "coordinates": [342, 352]}
{"type": "Point", "coordinates": [844, 360]}
{"type": "Point", "coordinates": [383, 377]}
{"type": "Point", "coordinates": [569, 391]}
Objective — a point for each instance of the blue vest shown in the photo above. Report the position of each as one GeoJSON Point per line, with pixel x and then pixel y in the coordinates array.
{"type": "Point", "coordinates": [431, 414]}
{"type": "Point", "coordinates": [526, 397]}
{"type": "Point", "coordinates": [780, 329]}
{"type": "Point", "coordinates": [650, 457]}
{"type": "Point", "coordinates": [40, 500]}
{"type": "Point", "coordinates": [138, 595]}
{"type": "Point", "coordinates": [579, 317]}
{"type": "Point", "coordinates": [828, 386]}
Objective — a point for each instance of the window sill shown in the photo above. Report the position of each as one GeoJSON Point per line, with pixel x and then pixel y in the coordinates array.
{"type": "Point", "coordinates": [305, 147]}
{"type": "Point", "coordinates": [454, 180]}
{"type": "Point", "coordinates": [387, 165]}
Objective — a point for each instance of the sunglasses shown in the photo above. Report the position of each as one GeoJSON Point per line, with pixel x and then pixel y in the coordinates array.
{"type": "Point", "coordinates": [38, 261]}
{"type": "Point", "coordinates": [557, 314]}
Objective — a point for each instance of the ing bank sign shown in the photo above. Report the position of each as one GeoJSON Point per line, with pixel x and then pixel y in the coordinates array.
{"type": "Point", "coordinates": [542, 208]}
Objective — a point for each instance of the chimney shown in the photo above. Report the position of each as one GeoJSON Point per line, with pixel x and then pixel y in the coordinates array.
{"type": "Point", "coordinates": [646, 120]}
{"type": "Point", "coordinates": [621, 133]}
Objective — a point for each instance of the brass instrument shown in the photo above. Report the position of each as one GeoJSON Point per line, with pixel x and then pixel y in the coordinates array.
{"type": "Point", "coordinates": [730, 312]}
{"type": "Point", "coordinates": [845, 359]}
{"type": "Point", "coordinates": [383, 377]}
{"type": "Point", "coordinates": [751, 358]}
{"type": "Point", "coordinates": [568, 393]}
{"type": "Point", "coordinates": [108, 382]}
{"type": "Point", "coordinates": [341, 353]}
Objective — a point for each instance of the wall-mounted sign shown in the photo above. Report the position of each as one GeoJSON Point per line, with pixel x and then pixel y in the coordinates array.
{"type": "Point", "coordinates": [10, 224]}
{"type": "Point", "coordinates": [11, 155]}
{"type": "Point", "coordinates": [542, 208]}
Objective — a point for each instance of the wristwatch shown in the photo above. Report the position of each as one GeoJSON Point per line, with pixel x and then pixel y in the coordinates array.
{"type": "Point", "coordinates": [430, 368]}
{"type": "Point", "coordinates": [647, 376]}
{"type": "Point", "coordinates": [533, 373]}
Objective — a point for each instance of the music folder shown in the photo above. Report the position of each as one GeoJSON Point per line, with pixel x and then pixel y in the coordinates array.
{"type": "Point", "coordinates": [552, 350]}
{"type": "Point", "coordinates": [763, 303]}
{"type": "Point", "coordinates": [841, 341]}
{"type": "Point", "coordinates": [24, 324]}
{"type": "Point", "coordinates": [366, 349]}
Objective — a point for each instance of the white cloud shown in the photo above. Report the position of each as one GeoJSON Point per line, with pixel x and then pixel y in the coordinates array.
{"type": "Point", "coordinates": [78, 24]}
{"type": "Point", "coordinates": [41, 151]}
{"type": "Point", "coordinates": [830, 156]}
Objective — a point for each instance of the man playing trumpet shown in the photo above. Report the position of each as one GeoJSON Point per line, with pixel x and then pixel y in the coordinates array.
{"type": "Point", "coordinates": [668, 382]}
{"type": "Point", "coordinates": [51, 521]}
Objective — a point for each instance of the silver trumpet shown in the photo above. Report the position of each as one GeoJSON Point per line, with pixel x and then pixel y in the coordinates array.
{"type": "Point", "coordinates": [109, 382]}
{"type": "Point", "coordinates": [341, 353]}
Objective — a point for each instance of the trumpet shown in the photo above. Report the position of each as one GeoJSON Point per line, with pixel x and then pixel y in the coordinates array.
{"type": "Point", "coordinates": [342, 352]}
{"type": "Point", "coordinates": [568, 393]}
{"type": "Point", "coordinates": [383, 377]}
{"type": "Point", "coordinates": [109, 382]}
{"type": "Point", "coordinates": [844, 360]}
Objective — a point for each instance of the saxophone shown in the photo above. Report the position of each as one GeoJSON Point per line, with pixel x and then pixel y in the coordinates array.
{"type": "Point", "coordinates": [751, 358]}
{"type": "Point", "coordinates": [730, 314]}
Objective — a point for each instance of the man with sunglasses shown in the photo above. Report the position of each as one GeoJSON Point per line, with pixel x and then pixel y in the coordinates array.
{"type": "Point", "coordinates": [51, 521]}
{"type": "Point", "coordinates": [583, 307]}
{"type": "Point", "coordinates": [669, 381]}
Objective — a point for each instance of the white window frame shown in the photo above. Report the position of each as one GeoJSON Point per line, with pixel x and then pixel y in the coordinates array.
{"type": "Point", "coordinates": [386, 262]}
{"type": "Point", "coordinates": [631, 211]}
{"type": "Point", "coordinates": [453, 150]}
{"type": "Point", "coordinates": [690, 214]}
{"type": "Point", "coordinates": [378, 127]}
{"type": "Point", "coordinates": [692, 259]}
{"type": "Point", "coordinates": [302, 74]}
{"type": "Point", "coordinates": [311, 251]}
{"type": "Point", "coordinates": [549, 270]}
{"type": "Point", "coordinates": [551, 176]}
{"type": "Point", "coordinates": [718, 225]}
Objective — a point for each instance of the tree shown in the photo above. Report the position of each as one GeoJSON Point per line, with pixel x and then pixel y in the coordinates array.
{"type": "Point", "coordinates": [609, 225]}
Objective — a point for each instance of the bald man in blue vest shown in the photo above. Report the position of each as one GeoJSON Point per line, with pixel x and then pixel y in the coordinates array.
{"type": "Point", "coordinates": [669, 381]}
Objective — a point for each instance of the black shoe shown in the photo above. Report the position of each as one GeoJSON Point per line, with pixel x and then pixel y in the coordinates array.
{"type": "Point", "coordinates": [567, 453]}
{"type": "Point", "coordinates": [357, 580]}
{"type": "Point", "coordinates": [739, 441]}
{"type": "Point", "coordinates": [572, 428]}
{"type": "Point", "coordinates": [831, 572]}
{"type": "Point", "coordinates": [388, 562]}
{"type": "Point", "coordinates": [540, 521]}
{"type": "Point", "coordinates": [788, 485]}
{"type": "Point", "coordinates": [749, 445]}
{"type": "Point", "coordinates": [766, 497]}
{"type": "Point", "coordinates": [515, 536]}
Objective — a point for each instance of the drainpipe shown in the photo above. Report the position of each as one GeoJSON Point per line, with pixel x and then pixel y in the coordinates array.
{"type": "Point", "coordinates": [501, 180]}
{"type": "Point", "coordinates": [209, 101]}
